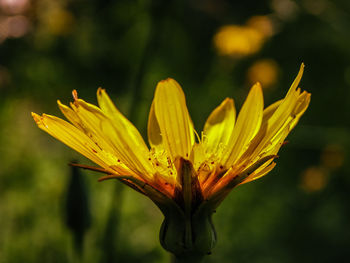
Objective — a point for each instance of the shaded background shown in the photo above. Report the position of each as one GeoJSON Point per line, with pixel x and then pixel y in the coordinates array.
{"type": "Point", "coordinates": [214, 49]}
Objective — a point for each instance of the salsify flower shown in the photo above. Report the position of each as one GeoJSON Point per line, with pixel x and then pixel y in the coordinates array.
{"type": "Point", "coordinates": [185, 174]}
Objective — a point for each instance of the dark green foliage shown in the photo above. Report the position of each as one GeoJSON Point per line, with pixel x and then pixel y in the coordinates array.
{"type": "Point", "coordinates": [77, 210]}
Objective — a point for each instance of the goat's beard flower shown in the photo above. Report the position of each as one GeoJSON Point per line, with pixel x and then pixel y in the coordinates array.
{"type": "Point", "coordinates": [185, 174]}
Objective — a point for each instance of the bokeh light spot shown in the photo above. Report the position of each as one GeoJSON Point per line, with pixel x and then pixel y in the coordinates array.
{"type": "Point", "coordinates": [285, 9]}
{"type": "Point", "coordinates": [263, 24]}
{"type": "Point", "coordinates": [264, 71]}
{"type": "Point", "coordinates": [333, 156]}
{"type": "Point", "coordinates": [234, 40]}
{"type": "Point", "coordinates": [13, 7]}
{"type": "Point", "coordinates": [313, 179]}
{"type": "Point", "coordinates": [18, 26]}
{"type": "Point", "coordinates": [59, 21]}
{"type": "Point", "coordinates": [315, 7]}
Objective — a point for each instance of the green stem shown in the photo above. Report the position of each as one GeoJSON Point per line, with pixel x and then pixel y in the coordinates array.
{"type": "Point", "coordinates": [186, 259]}
{"type": "Point", "coordinates": [156, 12]}
{"type": "Point", "coordinates": [111, 236]}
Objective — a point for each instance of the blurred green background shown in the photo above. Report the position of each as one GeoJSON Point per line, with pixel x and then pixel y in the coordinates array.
{"type": "Point", "coordinates": [215, 49]}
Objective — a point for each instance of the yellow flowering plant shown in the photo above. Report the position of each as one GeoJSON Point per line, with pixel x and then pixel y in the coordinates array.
{"type": "Point", "coordinates": [185, 174]}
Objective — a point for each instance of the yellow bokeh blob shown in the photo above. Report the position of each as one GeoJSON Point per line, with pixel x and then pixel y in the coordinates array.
{"type": "Point", "coordinates": [332, 156]}
{"type": "Point", "coordinates": [263, 24]}
{"type": "Point", "coordinates": [233, 40]}
{"type": "Point", "coordinates": [314, 179]}
{"type": "Point", "coordinates": [264, 71]}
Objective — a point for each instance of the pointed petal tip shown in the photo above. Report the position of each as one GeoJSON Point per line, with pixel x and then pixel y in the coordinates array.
{"type": "Point", "coordinates": [168, 82]}
{"type": "Point", "coordinates": [174, 121]}
{"type": "Point", "coordinates": [308, 97]}
{"type": "Point", "coordinates": [257, 87]}
{"type": "Point", "coordinates": [301, 70]}
{"type": "Point", "coordinates": [35, 116]}
{"type": "Point", "coordinates": [295, 84]}
{"type": "Point", "coordinates": [100, 91]}
{"type": "Point", "coordinates": [227, 100]}
{"type": "Point", "coordinates": [38, 119]}
{"type": "Point", "coordinates": [257, 84]}
{"type": "Point", "coordinates": [75, 94]}
{"type": "Point", "coordinates": [60, 104]}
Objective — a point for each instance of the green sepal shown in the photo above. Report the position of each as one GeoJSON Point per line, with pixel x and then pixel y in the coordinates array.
{"type": "Point", "coordinates": [188, 234]}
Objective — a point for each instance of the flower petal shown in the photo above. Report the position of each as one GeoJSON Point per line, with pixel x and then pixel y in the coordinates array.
{"type": "Point", "coordinates": [153, 131]}
{"type": "Point", "coordinates": [70, 115]}
{"type": "Point", "coordinates": [173, 119]}
{"type": "Point", "coordinates": [133, 154]}
{"type": "Point", "coordinates": [297, 79]}
{"type": "Point", "coordinates": [301, 105]}
{"type": "Point", "coordinates": [219, 126]}
{"type": "Point", "coordinates": [120, 121]}
{"type": "Point", "coordinates": [268, 112]}
{"type": "Point", "coordinates": [287, 105]}
{"type": "Point", "coordinates": [247, 125]}
{"type": "Point", "coordinates": [74, 138]}
{"type": "Point", "coordinates": [280, 121]}
{"type": "Point", "coordinates": [258, 173]}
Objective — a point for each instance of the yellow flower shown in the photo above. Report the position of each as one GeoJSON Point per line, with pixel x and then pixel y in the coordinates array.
{"type": "Point", "coordinates": [180, 166]}
{"type": "Point", "coordinates": [186, 175]}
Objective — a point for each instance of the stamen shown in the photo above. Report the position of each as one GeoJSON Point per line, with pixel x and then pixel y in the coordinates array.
{"type": "Point", "coordinates": [162, 163]}
{"type": "Point", "coordinates": [204, 138]}
{"type": "Point", "coordinates": [197, 135]}
{"type": "Point", "coordinates": [169, 162]}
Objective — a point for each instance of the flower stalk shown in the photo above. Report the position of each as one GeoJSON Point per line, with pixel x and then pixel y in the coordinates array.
{"type": "Point", "coordinates": [187, 230]}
